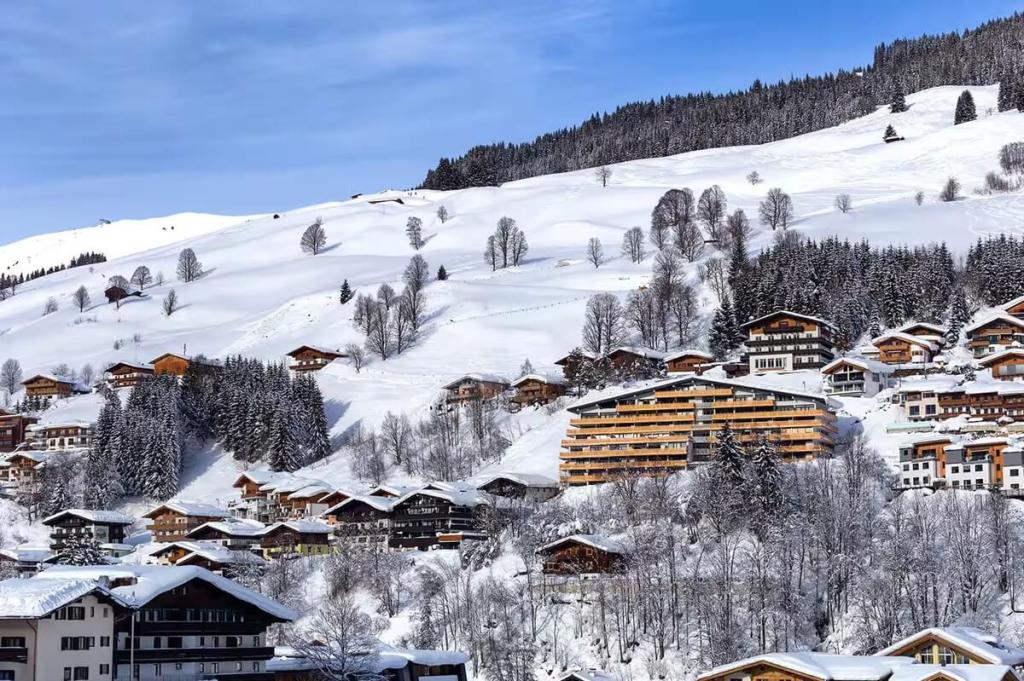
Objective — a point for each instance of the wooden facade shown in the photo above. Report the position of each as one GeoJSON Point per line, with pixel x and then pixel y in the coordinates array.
{"type": "Point", "coordinates": [58, 437]}
{"type": "Point", "coordinates": [362, 521]}
{"type": "Point", "coordinates": [535, 389]}
{"type": "Point", "coordinates": [923, 462]}
{"type": "Point", "coordinates": [173, 521]}
{"type": "Point", "coordinates": [170, 364]}
{"type": "Point", "coordinates": [582, 554]}
{"type": "Point", "coordinates": [989, 404]}
{"type": "Point", "coordinates": [1007, 365]}
{"type": "Point", "coordinates": [786, 341]}
{"type": "Point", "coordinates": [46, 386]}
{"type": "Point", "coordinates": [664, 428]}
{"type": "Point", "coordinates": [127, 374]}
{"type": "Point", "coordinates": [427, 519]}
{"type": "Point", "coordinates": [473, 387]}
{"type": "Point", "coordinates": [688, 361]}
{"type": "Point", "coordinates": [903, 348]}
{"type": "Point", "coordinates": [13, 430]}
{"type": "Point", "coordinates": [296, 538]}
{"type": "Point", "coordinates": [101, 527]}
{"type": "Point", "coordinates": [995, 334]}
{"type": "Point", "coordinates": [312, 358]}
{"type": "Point", "coordinates": [956, 645]}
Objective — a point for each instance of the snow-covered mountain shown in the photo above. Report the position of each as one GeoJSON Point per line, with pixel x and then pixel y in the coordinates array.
{"type": "Point", "coordinates": [262, 296]}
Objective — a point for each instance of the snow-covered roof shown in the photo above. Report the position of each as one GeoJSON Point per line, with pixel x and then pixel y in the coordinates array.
{"type": "Point", "coordinates": [689, 353]}
{"type": "Point", "coordinates": [255, 477]}
{"type": "Point", "coordinates": [232, 528]}
{"type": "Point", "coordinates": [863, 363]}
{"type": "Point", "coordinates": [383, 504]}
{"type": "Point", "coordinates": [971, 641]}
{"type": "Point", "coordinates": [899, 335]}
{"type": "Point", "coordinates": [396, 490]}
{"type": "Point", "coordinates": [35, 598]}
{"type": "Point", "coordinates": [286, 483]}
{"type": "Point", "coordinates": [189, 508]}
{"type": "Point", "coordinates": [527, 479]}
{"type": "Point", "coordinates": [956, 672]}
{"type": "Point", "coordinates": [459, 497]}
{"type": "Point", "coordinates": [318, 348]}
{"type": "Point", "coordinates": [310, 491]}
{"type": "Point", "coordinates": [217, 553]}
{"type": "Point", "coordinates": [824, 666]}
{"type": "Point", "coordinates": [588, 675]}
{"type": "Point", "coordinates": [639, 350]}
{"type": "Point", "coordinates": [146, 582]}
{"type": "Point", "coordinates": [587, 354]}
{"type": "Point", "coordinates": [287, 659]}
{"type": "Point", "coordinates": [597, 541]}
{"type": "Point", "coordinates": [304, 526]}
{"type": "Point", "coordinates": [26, 554]}
{"type": "Point", "coordinates": [997, 317]}
{"type": "Point", "coordinates": [553, 379]}
{"type": "Point", "coordinates": [92, 516]}
{"type": "Point", "coordinates": [934, 328]}
{"type": "Point", "coordinates": [818, 320]}
{"type": "Point", "coordinates": [48, 377]}
{"type": "Point", "coordinates": [477, 378]}
{"type": "Point", "coordinates": [1010, 303]}
{"type": "Point", "coordinates": [1001, 355]}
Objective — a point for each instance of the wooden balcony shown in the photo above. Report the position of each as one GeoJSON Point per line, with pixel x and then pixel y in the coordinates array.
{"type": "Point", "coordinates": [622, 453]}
{"type": "Point", "coordinates": [702, 392]}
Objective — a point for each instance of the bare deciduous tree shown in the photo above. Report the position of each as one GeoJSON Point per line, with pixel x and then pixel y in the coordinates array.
{"type": "Point", "coordinates": [442, 214]}
{"type": "Point", "coordinates": [844, 204]}
{"type": "Point", "coordinates": [189, 267]}
{"type": "Point", "coordinates": [50, 306]}
{"type": "Point", "coordinates": [414, 230]}
{"type": "Point", "coordinates": [10, 375]}
{"type": "Point", "coordinates": [314, 238]}
{"type": "Point", "coordinates": [339, 641]}
{"type": "Point", "coordinates": [603, 174]}
{"type": "Point", "coordinates": [711, 212]}
{"type": "Point", "coordinates": [776, 210]}
{"type": "Point", "coordinates": [170, 303]}
{"type": "Point", "coordinates": [356, 356]}
{"type": "Point", "coordinates": [950, 190]}
{"type": "Point", "coordinates": [141, 277]}
{"type": "Point", "coordinates": [595, 252]}
{"type": "Point", "coordinates": [81, 298]}
{"type": "Point", "coordinates": [754, 177]}
{"type": "Point", "coordinates": [602, 324]}
{"type": "Point", "coordinates": [633, 244]}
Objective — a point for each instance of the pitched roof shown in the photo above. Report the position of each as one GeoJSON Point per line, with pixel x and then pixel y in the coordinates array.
{"type": "Point", "coordinates": [142, 366]}
{"type": "Point", "coordinates": [1010, 303]}
{"type": "Point", "coordinates": [639, 350]}
{"type": "Point", "coordinates": [999, 356]}
{"type": "Point", "coordinates": [26, 554]}
{"type": "Point", "coordinates": [303, 526]}
{"type": "Point", "coordinates": [954, 672]}
{"type": "Point", "coordinates": [256, 477]}
{"type": "Point", "coordinates": [597, 541]}
{"type": "Point", "coordinates": [231, 528]}
{"type": "Point", "coordinates": [34, 598]}
{"type": "Point", "coordinates": [477, 378]}
{"type": "Point", "coordinates": [935, 328]}
{"type": "Point", "coordinates": [789, 313]}
{"type": "Point", "coordinates": [863, 363]}
{"type": "Point", "coordinates": [149, 581]}
{"type": "Point", "coordinates": [189, 508]}
{"type": "Point", "coordinates": [527, 479]}
{"type": "Point", "coordinates": [587, 675]}
{"type": "Point", "coordinates": [553, 379]}
{"type": "Point", "coordinates": [997, 317]}
{"type": "Point", "coordinates": [688, 353]}
{"type": "Point", "coordinates": [470, 498]}
{"type": "Point", "coordinates": [318, 348]}
{"type": "Point", "coordinates": [823, 666]}
{"type": "Point", "coordinates": [49, 377]}
{"type": "Point", "coordinates": [93, 516]}
{"type": "Point", "coordinates": [970, 640]}
{"type": "Point", "coordinates": [917, 340]}
{"type": "Point", "coordinates": [383, 504]}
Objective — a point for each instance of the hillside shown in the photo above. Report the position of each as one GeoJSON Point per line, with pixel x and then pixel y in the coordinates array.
{"type": "Point", "coordinates": [262, 296]}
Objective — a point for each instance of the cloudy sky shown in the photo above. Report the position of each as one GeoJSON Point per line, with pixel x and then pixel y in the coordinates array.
{"type": "Point", "coordinates": [134, 109]}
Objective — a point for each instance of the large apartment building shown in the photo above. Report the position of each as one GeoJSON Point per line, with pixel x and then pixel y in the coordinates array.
{"type": "Point", "coordinates": [668, 425]}
{"type": "Point", "coordinates": [985, 463]}
{"type": "Point", "coordinates": [784, 341]}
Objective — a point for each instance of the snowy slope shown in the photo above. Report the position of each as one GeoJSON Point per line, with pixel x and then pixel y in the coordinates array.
{"type": "Point", "coordinates": [262, 296]}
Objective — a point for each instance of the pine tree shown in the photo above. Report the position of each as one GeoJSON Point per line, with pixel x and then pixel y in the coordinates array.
{"type": "Point", "coordinates": [721, 338]}
{"type": "Point", "coordinates": [965, 111]}
{"type": "Point", "coordinates": [81, 549]}
{"type": "Point", "coordinates": [442, 273]}
{"type": "Point", "coordinates": [1018, 97]}
{"type": "Point", "coordinates": [899, 102]}
{"type": "Point", "coordinates": [728, 459]}
{"type": "Point", "coordinates": [316, 443]}
{"type": "Point", "coordinates": [345, 293]}
{"type": "Point", "coordinates": [282, 442]}
{"type": "Point", "coordinates": [890, 133]}
{"type": "Point", "coordinates": [1006, 99]}
{"type": "Point", "coordinates": [765, 494]}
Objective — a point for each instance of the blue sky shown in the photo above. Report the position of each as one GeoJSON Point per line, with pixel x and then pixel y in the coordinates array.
{"type": "Point", "coordinates": [135, 109]}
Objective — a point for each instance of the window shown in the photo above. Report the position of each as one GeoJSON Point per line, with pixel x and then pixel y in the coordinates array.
{"type": "Point", "coordinates": [173, 641]}
{"type": "Point", "coordinates": [77, 642]}
{"type": "Point", "coordinates": [157, 670]}
{"type": "Point", "coordinates": [12, 642]}
{"type": "Point", "coordinates": [104, 669]}
{"type": "Point", "coordinates": [157, 642]}
{"type": "Point", "coordinates": [177, 666]}
{"type": "Point", "coordinates": [6, 675]}
{"type": "Point", "coordinates": [104, 641]}
{"type": "Point", "coordinates": [81, 674]}
{"type": "Point", "coordinates": [255, 641]}
{"type": "Point", "coordinates": [232, 642]}
{"type": "Point", "coordinates": [67, 673]}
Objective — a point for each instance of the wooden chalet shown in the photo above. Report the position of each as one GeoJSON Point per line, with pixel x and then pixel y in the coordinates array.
{"type": "Point", "coordinates": [533, 389]}
{"type": "Point", "coordinates": [306, 501]}
{"type": "Point", "coordinates": [254, 501]}
{"type": "Point", "coordinates": [812, 666]}
{"type": "Point", "coordinates": [688, 361]}
{"type": "Point", "coordinates": [101, 527]}
{"type": "Point", "coordinates": [220, 560]}
{"type": "Point", "coordinates": [933, 332]}
{"type": "Point", "coordinates": [664, 427]}
{"type": "Point", "coordinates": [312, 358]}
{"type": "Point", "coordinates": [1007, 365]}
{"type": "Point", "coordinates": [335, 497]}
{"type": "Point", "coordinates": [234, 534]}
{"type": "Point", "coordinates": [21, 469]}
{"type": "Point", "coordinates": [857, 376]}
{"type": "Point", "coordinates": [431, 518]}
{"type": "Point", "coordinates": [995, 334]}
{"type": "Point", "coordinates": [127, 374]}
{"type": "Point", "coordinates": [47, 387]}
{"type": "Point", "coordinates": [582, 554]}
{"type": "Point", "coordinates": [1015, 307]}
{"type": "Point", "coordinates": [364, 521]}
{"type": "Point", "coordinates": [13, 430]}
{"type": "Point", "coordinates": [173, 520]}
{"type": "Point", "coordinates": [585, 354]}
{"type": "Point", "coordinates": [391, 491]}
{"type": "Point", "coordinates": [957, 646]}
{"type": "Point", "coordinates": [899, 348]}
{"type": "Point", "coordinates": [296, 538]}
{"type": "Point", "coordinates": [475, 387]}
{"type": "Point", "coordinates": [390, 664]}
{"type": "Point", "coordinates": [526, 486]}
{"type": "Point", "coordinates": [992, 402]}
{"type": "Point", "coordinates": [785, 341]}
{"type": "Point", "coordinates": [59, 437]}
{"type": "Point", "coordinates": [626, 356]}
{"type": "Point", "coordinates": [173, 364]}
{"type": "Point", "coordinates": [115, 293]}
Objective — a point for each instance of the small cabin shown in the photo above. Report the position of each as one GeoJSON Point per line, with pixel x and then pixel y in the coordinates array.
{"type": "Point", "coordinates": [173, 520]}
{"type": "Point", "coordinates": [170, 364]}
{"type": "Point", "coordinates": [583, 554]}
{"type": "Point", "coordinates": [117, 293]}
{"type": "Point", "coordinates": [534, 389]}
{"type": "Point", "coordinates": [526, 486]}
{"type": "Point", "coordinates": [1007, 365]}
{"type": "Point", "coordinates": [473, 387]}
{"type": "Point", "coordinates": [994, 334]}
{"type": "Point", "coordinates": [127, 374]}
{"type": "Point", "coordinates": [857, 376]}
{"type": "Point", "coordinates": [688, 361]}
{"type": "Point", "coordinates": [312, 358]}
{"type": "Point", "coordinates": [626, 356]}
{"type": "Point", "coordinates": [898, 347]}
{"type": "Point", "coordinates": [296, 537]}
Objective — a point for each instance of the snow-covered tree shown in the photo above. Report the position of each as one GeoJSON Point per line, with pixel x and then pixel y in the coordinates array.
{"type": "Point", "coordinates": [950, 190]}
{"type": "Point", "coordinates": [843, 203]}
{"type": "Point", "coordinates": [603, 174]}
{"type": "Point", "coordinates": [442, 273]}
{"type": "Point", "coordinates": [442, 214]}
{"type": "Point", "coordinates": [754, 177]}
{"type": "Point", "coordinates": [80, 549]}
{"type": "Point", "coordinates": [345, 293]}
{"type": "Point", "coordinates": [965, 111]}
{"type": "Point", "coordinates": [899, 102]}
{"type": "Point", "coordinates": [11, 375]}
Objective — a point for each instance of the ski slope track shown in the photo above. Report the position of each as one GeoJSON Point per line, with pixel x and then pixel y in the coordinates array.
{"type": "Point", "coordinates": [261, 296]}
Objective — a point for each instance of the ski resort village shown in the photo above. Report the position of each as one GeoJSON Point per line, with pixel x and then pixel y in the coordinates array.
{"type": "Point", "coordinates": [738, 396]}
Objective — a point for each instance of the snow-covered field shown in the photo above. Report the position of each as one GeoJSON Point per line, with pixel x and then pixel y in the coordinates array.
{"type": "Point", "coordinates": [261, 296]}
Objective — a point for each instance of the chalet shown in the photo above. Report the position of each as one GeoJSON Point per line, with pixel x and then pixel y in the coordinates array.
{"type": "Point", "coordinates": [1014, 307]}
{"type": "Point", "coordinates": [173, 520]}
{"type": "Point", "coordinates": [1007, 365]}
{"type": "Point", "coordinates": [585, 354]}
{"type": "Point", "coordinates": [289, 496]}
{"type": "Point", "coordinates": [662, 427]}
{"type": "Point", "coordinates": [688, 361]}
{"type": "Point", "coordinates": [307, 501]}
{"type": "Point", "coordinates": [995, 401]}
{"type": "Point", "coordinates": [296, 538]}
{"type": "Point", "coordinates": [233, 534]}
{"type": "Point", "coordinates": [312, 358]}
{"type": "Point", "coordinates": [21, 469]}
{"type": "Point", "coordinates": [587, 675]}
{"type": "Point", "coordinates": [126, 374]}
{"type": "Point", "coordinates": [334, 498]}
{"type": "Point", "coordinates": [253, 502]}
{"type": "Point", "coordinates": [26, 560]}
{"type": "Point", "coordinates": [919, 400]}
{"type": "Point", "coordinates": [220, 560]}
{"type": "Point", "coordinates": [957, 646]}
{"type": "Point", "coordinates": [389, 664]}
{"type": "Point", "coordinates": [977, 464]}
{"type": "Point", "coordinates": [899, 348]}
{"type": "Point", "coordinates": [923, 461]}
{"type": "Point", "coordinates": [171, 364]}
{"type": "Point", "coordinates": [533, 389]}
{"type": "Point", "coordinates": [364, 521]}
{"type": "Point", "coordinates": [115, 293]}
{"type": "Point", "coordinates": [431, 518]}
{"type": "Point", "coordinates": [809, 666]}
{"type": "Point", "coordinates": [61, 436]}
{"type": "Point", "coordinates": [994, 334]}
{"type": "Point", "coordinates": [475, 387]}
{"type": "Point", "coordinates": [526, 486]}
{"type": "Point", "coordinates": [582, 554]}
{"type": "Point", "coordinates": [13, 430]}
{"type": "Point", "coordinates": [392, 491]}
{"type": "Point", "coordinates": [101, 527]}
{"type": "Point", "coordinates": [857, 376]}
{"type": "Point", "coordinates": [640, 360]}
{"type": "Point", "coordinates": [933, 332]}
{"type": "Point", "coordinates": [222, 633]}
{"type": "Point", "coordinates": [47, 387]}
{"type": "Point", "coordinates": [784, 341]}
